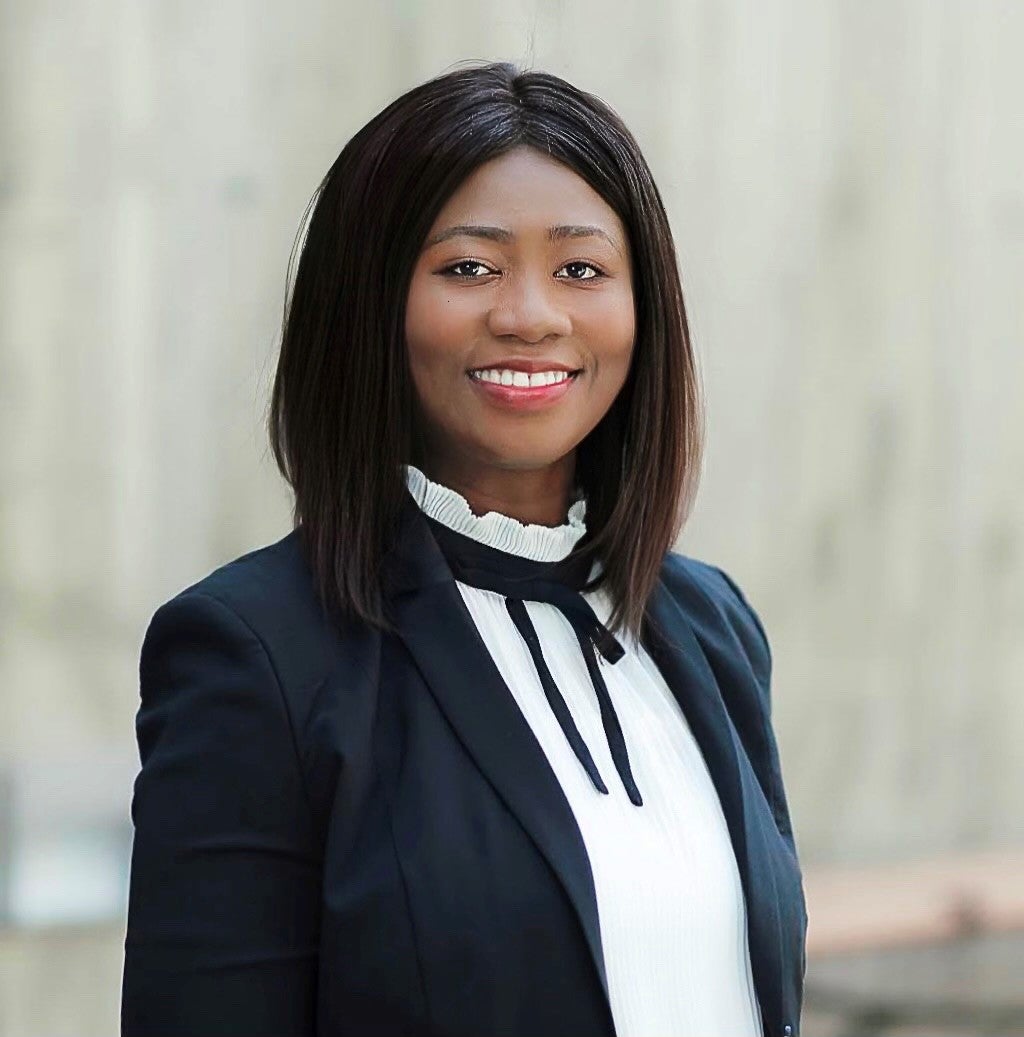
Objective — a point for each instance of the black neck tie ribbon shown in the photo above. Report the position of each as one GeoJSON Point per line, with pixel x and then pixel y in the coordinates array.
{"type": "Point", "coordinates": [521, 579]}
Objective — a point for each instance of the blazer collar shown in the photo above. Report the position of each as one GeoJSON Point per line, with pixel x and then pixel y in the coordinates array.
{"type": "Point", "coordinates": [433, 622]}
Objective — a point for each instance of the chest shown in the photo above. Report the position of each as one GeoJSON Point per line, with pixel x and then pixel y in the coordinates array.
{"type": "Point", "coordinates": [464, 872]}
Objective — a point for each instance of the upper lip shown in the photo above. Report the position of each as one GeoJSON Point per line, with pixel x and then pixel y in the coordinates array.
{"type": "Point", "coordinates": [524, 364]}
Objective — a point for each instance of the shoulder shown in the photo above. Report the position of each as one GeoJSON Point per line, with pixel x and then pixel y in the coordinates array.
{"type": "Point", "coordinates": [265, 597]}
{"type": "Point", "coordinates": [261, 584]}
{"type": "Point", "coordinates": [717, 608]}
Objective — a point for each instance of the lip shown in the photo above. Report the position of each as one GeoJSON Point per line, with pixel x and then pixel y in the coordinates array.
{"type": "Point", "coordinates": [524, 397]}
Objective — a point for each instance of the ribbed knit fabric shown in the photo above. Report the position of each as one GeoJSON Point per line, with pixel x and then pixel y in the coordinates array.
{"type": "Point", "coordinates": [669, 898]}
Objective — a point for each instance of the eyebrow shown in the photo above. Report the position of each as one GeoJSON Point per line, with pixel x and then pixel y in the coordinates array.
{"type": "Point", "coordinates": [557, 233]}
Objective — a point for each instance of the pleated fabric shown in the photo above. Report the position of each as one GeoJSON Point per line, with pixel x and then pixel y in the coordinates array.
{"type": "Point", "coordinates": [669, 898]}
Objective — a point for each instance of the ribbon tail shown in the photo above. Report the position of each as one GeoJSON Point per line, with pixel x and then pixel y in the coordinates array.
{"type": "Point", "coordinates": [609, 718]}
{"type": "Point", "coordinates": [517, 610]}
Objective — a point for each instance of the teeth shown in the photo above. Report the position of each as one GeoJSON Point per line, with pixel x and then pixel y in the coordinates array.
{"type": "Point", "coordinates": [503, 376]}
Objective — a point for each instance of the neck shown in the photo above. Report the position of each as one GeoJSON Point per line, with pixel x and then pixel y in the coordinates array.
{"type": "Point", "coordinates": [534, 496]}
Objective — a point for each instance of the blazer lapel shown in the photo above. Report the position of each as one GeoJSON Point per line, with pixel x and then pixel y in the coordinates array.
{"type": "Point", "coordinates": [432, 620]}
{"type": "Point", "coordinates": [675, 649]}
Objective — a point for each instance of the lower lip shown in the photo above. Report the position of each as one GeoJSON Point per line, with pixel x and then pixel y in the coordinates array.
{"type": "Point", "coordinates": [523, 397]}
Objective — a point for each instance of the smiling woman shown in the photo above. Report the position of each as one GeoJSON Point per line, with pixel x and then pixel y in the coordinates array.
{"type": "Point", "coordinates": [471, 750]}
{"type": "Point", "coordinates": [487, 216]}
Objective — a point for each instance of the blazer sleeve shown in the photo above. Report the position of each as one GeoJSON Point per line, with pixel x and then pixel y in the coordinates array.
{"type": "Point", "coordinates": [760, 655]}
{"type": "Point", "coordinates": [223, 909]}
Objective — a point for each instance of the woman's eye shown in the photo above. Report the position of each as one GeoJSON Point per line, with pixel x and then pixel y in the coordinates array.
{"type": "Point", "coordinates": [579, 264]}
{"type": "Point", "coordinates": [471, 263]}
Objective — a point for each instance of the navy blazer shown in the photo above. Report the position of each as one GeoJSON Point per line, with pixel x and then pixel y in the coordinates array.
{"type": "Point", "coordinates": [345, 832]}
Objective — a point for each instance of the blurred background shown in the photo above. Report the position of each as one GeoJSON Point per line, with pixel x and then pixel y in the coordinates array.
{"type": "Point", "coordinates": [845, 187]}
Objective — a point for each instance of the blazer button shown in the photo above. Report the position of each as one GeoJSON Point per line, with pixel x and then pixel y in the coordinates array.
{"type": "Point", "coordinates": [788, 1031]}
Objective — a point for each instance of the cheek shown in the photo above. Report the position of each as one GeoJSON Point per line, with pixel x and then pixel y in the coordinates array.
{"type": "Point", "coordinates": [436, 333]}
{"type": "Point", "coordinates": [436, 324]}
{"type": "Point", "coordinates": [610, 331]}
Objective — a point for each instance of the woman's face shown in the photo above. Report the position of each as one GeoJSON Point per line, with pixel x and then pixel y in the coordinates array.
{"type": "Point", "coordinates": [526, 269]}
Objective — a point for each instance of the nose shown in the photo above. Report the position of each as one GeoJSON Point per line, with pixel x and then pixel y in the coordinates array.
{"type": "Point", "coordinates": [527, 307]}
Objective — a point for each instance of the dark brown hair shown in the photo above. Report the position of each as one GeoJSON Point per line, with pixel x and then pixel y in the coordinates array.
{"type": "Point", "coordinates": [342, 415]}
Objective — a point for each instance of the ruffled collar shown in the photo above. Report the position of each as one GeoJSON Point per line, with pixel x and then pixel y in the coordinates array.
{"type": "Point", "coordinates": [540, 543]}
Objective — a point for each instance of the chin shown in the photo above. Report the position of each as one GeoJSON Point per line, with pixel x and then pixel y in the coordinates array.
{"type": "Point", "coordinates": [526, 460]}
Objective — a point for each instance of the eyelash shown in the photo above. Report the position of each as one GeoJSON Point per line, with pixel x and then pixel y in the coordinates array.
{"type": "Point", "coordinates": [449, 270]}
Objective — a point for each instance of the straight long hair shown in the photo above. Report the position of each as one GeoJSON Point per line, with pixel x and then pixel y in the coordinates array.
{"type": "Point", "coordinates": [342, 412]}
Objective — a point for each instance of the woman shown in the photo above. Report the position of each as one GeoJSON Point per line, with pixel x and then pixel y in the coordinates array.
{"type": "Point", "coordinates": [470, 751]}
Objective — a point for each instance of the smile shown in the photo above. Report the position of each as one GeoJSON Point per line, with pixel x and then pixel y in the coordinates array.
{"type": "Point", "coordinates": [520, 379]}
{"type": "Point", "coordinates": [519, 390]}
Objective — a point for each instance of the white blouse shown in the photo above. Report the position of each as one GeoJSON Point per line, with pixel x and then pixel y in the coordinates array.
{"type": "Point", "coordinates": [669, 898]}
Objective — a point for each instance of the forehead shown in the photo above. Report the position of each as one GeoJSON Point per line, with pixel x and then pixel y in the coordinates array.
{"type": "Point", "coordinates": [526, 188]}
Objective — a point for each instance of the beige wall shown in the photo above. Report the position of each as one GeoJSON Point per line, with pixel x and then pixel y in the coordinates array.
{"type": "Point", "coordinates": [844, 184]}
